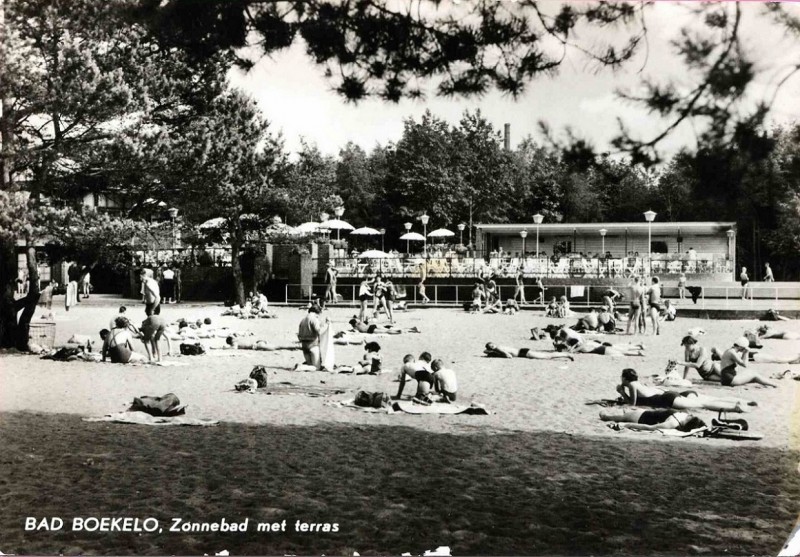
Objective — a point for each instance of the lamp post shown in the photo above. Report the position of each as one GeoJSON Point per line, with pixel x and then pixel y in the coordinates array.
{"type": "Point", "coordinates": [408, 229]}
{"type": "Point", "coordinates": [603, 236]}
{"type": "Point", "coordinates": [537, 219]}
{"type": "Point", "coordinates": [383, 233]}
{"type": "Point", "coordinates": [424, 218]}
{"type": "Point", "coordinates": [523, 234]}
{"type": "Point", "coordinates": [461, 228]}
{"type": "Point", "coordinates": [732, 249]}
{"type": "Point", "coordinates": [649, 216]}
{"type": "Point", "coordinates": [173, 214]}
{"type": "Point", "coordinates": [338, 211]}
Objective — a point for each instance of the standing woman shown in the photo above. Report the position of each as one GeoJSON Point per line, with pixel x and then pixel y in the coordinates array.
{"type": "Point", "coordinates": [71, 296]}
{"type": "Point", "coordinates": [423, 274]}
{"type": "Point", "coordinates": [520, 291]}
{"type": "Point", "coordinates": [682, 286]}
{"type": "Point", "coordinates": [744, 279]}
{"type": "Point", "coordinates": [364, 296]}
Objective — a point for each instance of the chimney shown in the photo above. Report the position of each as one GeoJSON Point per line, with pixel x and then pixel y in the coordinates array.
{"type": "Point", "coordinates": [507, 137]}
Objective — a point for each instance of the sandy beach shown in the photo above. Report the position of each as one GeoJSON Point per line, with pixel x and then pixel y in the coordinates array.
{"type": "Point", "coordinates": [539, 475]}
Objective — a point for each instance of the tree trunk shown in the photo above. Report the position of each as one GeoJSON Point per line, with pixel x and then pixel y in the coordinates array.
{"type": "Point", "coordinates": [8, 278]}
{"type": "Point", "coordinates": [29, 302]}
{"type": "Point", "coordinates": [236, 266]}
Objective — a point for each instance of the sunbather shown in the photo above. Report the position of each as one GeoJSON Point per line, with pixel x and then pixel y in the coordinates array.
{"type": "Point", "coordinates": [494, 351]}
{"type": "Point", "coordinates": [635, 393]}
{"type": "Point", "coordinates": [362, 327]}
{"type": "Point", "coordinates": [567, 339]}
{"type": "Point", "coordinates": [118, 343]}
{"type": "Point", "coordinates": [652, 420]}
{"type": "Point", "coordinates": [236, 343]}
{"type": "Point", "coordinates": [765, 332]}
{"type": "Point", "coordinates": [734, 358]}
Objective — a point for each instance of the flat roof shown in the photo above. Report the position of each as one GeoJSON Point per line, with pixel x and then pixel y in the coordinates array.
{"type": "Point", "coordinates": [613, 228]}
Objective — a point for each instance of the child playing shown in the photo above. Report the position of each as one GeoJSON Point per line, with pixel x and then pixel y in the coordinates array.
{"type": "Point", "coordinates": [372, 361]}
{"type": "Point", "coordinates": [444, 381]}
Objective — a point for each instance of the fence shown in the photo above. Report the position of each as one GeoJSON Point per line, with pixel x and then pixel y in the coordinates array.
{"type": "Point", "coordinates": [578, 295]}
{"type": "Point", "coordinates": [564, 267]}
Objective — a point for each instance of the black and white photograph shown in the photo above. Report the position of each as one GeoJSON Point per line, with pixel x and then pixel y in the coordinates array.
{"type": "Point", "coordinates": [399, 277]}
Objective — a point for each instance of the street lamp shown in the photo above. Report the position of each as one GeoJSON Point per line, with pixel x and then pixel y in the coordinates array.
{"type": "Point", "coordinates": [523, 234]}
{"type": "Point", "coordinates": [732, 249]}
{"type": "Point", "coordinates": [424, 218]}
{"type": "Point", "coordinates": [408, 229]}
{"type": "Point", "coordinates": [603, 236]}
{"type": "Point", "coordinates": [461, 228]}
{"type": "Point", "coordinates": [173, 214]}
{"type": "Point", "coordinates": [649, 216]}
{"type": "Point", "coordinates": [537, 219]}
{"type": "Point", "coordinates": [383, 233]}
{"type": "Point", "coordinates": [338, 211]}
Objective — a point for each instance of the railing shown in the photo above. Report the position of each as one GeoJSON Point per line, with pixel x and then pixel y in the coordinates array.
{"type": "Point", "coordinates": [578, 295]}
{"type": "Point", "coordinates": [505, 267]}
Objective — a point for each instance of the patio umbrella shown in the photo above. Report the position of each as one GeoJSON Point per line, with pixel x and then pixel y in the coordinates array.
{"type": "Point", "coordinates": [337, 225]}
{"type": "Point", "coordinates": [365, 231]}
{"type": "Point", "coordinates": [416, 236]}
{"type": "Point", "coordinates": [373, 254]}
{"type": "Point", "coordinates": [213, 223]}
{"type": "Point", "coordinates": [307, 227]}
{"type": "Point", "coordinates": [441, 233]}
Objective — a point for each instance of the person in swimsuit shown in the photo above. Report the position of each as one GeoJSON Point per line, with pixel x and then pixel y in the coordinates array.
{"type": "Point", "coordinates": [511, 307]}
{"type": "Point", "coordinates": [378, 300]}
{"type": "Point", "coordinates": [636, 306]}
{"type": "Point", "coordinates": [389, 295]}
{"type": "Point", "coordinates": [758, 356]}
{"type": "Point", "coordinates": [566, 339]}
{"type": "Point", "coordinates": [744, 280]}
{"type": "Point", "coordinates": [735, 357]}
{"type": "Point", "coordinates": [552, 308]}
{"type": "Point", "coordinates": [699, 358]}
{"type": "Point", "coordinates": [656, 305]}
{"type": "Point", "coordinates": [606, 320]}
{"type": "Point", "coordinates": [682, 286]}
{"type": "Point", "coordinates": [768, 276]}
{"type": "Point", "coordinates": [477, 297]}
{"type": "Point", "coordinates": [652, 420]}
{"type": "Point", "coordinates": [372, 361]}
{"type": "Point", "coordinates": [494, 306]}
{"type": "Point", "coordinates": [765, 332]}
{"type": "Point", "coordinates": [636, 394]}
{"type": "Point", "coordinates": [364, 296]}
{"type": "Point", "coordinates": [118, 343]}
{"type": "Point", "coordinates": [669, 313]}
{"type": "Point", "coordinates": [589, 322]}
{"type": "Point", "coordinates": [373, 329]}
{"type": "Point", "coordinates": [495, 351]}
{"type": "Point", "coordinates": [520, 291]}
{"type": "Point", "coordinates": [444, 381]}
{"type": "Point", "coordinates": [236, 343]}
{"type": "Point", "coordinates": [418, 371]}
{"type": "Point", "coordinates": [423, 274]}
{"type": "Point", "coordinates": [152, 330]}
{"type": "Point", "coordinates": [540, 286]}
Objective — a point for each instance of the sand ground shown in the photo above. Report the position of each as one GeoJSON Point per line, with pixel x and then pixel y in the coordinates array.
{"type": "Point", "coordinates": [521, 395]}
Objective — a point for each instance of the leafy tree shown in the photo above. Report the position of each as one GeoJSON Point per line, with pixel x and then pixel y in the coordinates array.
{"type": "Point", "coordinates": [309, 187]}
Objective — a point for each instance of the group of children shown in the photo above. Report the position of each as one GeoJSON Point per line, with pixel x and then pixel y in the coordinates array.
{"type": "Point", "coordinates": [435, 383]}
{"type": "Point", "coordinates": [256, 306]}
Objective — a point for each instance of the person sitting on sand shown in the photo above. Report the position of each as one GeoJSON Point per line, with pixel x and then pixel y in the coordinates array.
{"type": "Point", "coordinates": [121, 313]}
{"type": "Point", "coordinates": [566, 339]}
{"type": "Point", "coordinates": [552, 308]}
{"type": "Point", "coordinates": [699, 358]}
{"type": "Point", "coordinates": [235, 343]}
{"type": "Point", "coordinates": [444, 381]}
{"type": "Point", "coordinates": [562, 309]}
{"type": "Point", "coordinates": [477, 298]}
{"type": "Point", "coordinates": [652, 420]}
{"type": "Point", "coordinates": [588, 322]}
{"type": "Point", "coordinates": [372, 361]}
{"type": "Point", "coordinates": [511, 307]}
{"type": "Point", "coordinates": [118, 343]}
{"type": "Point", "coordinates": [735, 357]}
{"type": "Point", "coordinates": [419, 371]}
{"type": "Point", "coordinates": [493, 306]}
{"type": "Point", "coordinates": [374, 329]}
{"type": "Point", "coordinates": [765, 332]}
{"type": "Point", "coordinates": [152, 330]}
{"type": "Point", "coordinates": [635, 393]}
{"type": "Point", "coordinates": [669, 312]}
{"type": "Point", "coordinates": [606, 320]}
{"type": "Point", "coordinates": [495, 351]}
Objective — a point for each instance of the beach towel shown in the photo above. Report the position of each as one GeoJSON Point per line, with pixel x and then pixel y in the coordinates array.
{"type": "Point", "coordinates": [410, 407]}
{"type": "Point", "coordinates": [71, 297]}
{"type": "Point", "coordinates": [577, 291]}
{"type": "Point", "coordinates": [695, 291]}
{"type": "Point", "coordinates": [142, 418]}
{"type": "Point", "coordinates": [326, 353]}
{"type": "Point", "coordinates": [288, 388]}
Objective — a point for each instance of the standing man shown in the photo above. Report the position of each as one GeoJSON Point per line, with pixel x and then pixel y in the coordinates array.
{"type": "Point", "coordinates": [745, 280]}
{"type": "Point", "coordinates": [151, 294]}
{"type": "Point", "coordinates": [308, 333]}
{"type": "Point", "coordinates": [169, 284]}
{"type": "Point", "coordinates": [656, 305]}
{"type": "Point", "coordinates": [520, 292]}
{"type": "Point", "coordinates": [330, 280]}
{"type": "Point", "coordinates": [768, 277]}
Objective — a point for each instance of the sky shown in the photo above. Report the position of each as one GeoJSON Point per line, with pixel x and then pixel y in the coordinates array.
{"type": "Point", "coordinates": [298, 101]}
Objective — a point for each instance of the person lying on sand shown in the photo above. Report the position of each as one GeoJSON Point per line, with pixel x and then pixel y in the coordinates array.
{"type": "Point", "coordinates": [362, 327]}
{"type": "Point", "coordinates": [118, 343]}
{"type": "Point", "coordinates": [494, 351]}
{"type": "Point", "coordinates": [635, 393]}
{"type": "Point", "coordinates": [418, 371]}
{"type": "Point", "coordinates": [651, 420]}
{"type": "Point", "coordinates": [755, 355]}
{"type": "Point", "coordinates": [445, 383]}
{"type": "Point", "coordinates": [765, 332]}
{"type": "Point", "coordinates": [236, 343]}
{"type": "Point", "coordinates": [588, 322]}
{"type": "Point", "coordinates": [569, 340]}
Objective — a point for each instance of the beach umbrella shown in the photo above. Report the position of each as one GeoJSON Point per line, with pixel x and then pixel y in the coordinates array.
{"type": "Point", "coordinates": [415, 236]}
{"type": "Point", "coordinates": [373, 254]}
{"type": "Point", "coordinates": [337, 225]}
{"type": "Point", "coordinates": [441, 233]}
{"type": "Point", "coordinates": [308, 227]}
{"type": "Point", "coordinates": [365, 231]}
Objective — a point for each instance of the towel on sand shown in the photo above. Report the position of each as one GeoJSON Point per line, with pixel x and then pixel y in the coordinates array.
{"type": "Point", "coordinates": [142, 418]}
{"type": "Point", "coordinates": [411, 407]}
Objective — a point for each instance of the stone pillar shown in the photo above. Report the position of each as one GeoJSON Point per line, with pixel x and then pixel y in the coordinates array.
{"type": "Point", "coordinates": [301, 273]}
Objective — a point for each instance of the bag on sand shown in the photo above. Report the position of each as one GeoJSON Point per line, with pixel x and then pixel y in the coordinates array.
{"type": "Point", "coordinates": [371, 400]}
{"type": "Point", "coordinates": [167, 405]}
{"type": "Point", "coordinates": [195, 349]}
{"type": "Point", "coordinates": [259, 373]}
{"type": "Point", "coordinates": [246, 386]}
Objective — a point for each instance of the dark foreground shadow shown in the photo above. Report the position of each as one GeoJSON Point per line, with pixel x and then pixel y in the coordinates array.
{"type": "Point", "coordinates": [389, 490]}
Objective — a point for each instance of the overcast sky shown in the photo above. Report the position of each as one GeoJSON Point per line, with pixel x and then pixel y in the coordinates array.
{"type": "Point", "coordinates": [298, 100]}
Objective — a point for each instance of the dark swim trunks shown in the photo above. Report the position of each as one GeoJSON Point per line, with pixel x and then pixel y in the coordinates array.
{"type": "Point", "coordinates": [424, 376]}
{"type": "Point", "coordinates": [371, 329]}
{"type": "Point", "coordinates": [727, 375]}
{"type": "Point", "coordinates": [523, 352]}
{"type": "Point", "coordinates": [664, 400]}
{"type": "Point", "coordinates": [653, 417]}
{"type": "Point", "coordinates": [656, 306]}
